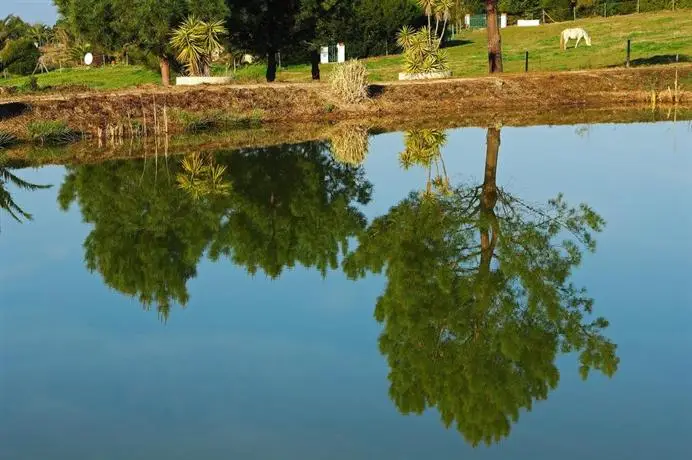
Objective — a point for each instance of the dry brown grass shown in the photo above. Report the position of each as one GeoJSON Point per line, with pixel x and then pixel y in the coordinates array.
{"type": "Point", "coordinates": [350, 82]}
{"type": "Point", "coordinates": [509, 96]}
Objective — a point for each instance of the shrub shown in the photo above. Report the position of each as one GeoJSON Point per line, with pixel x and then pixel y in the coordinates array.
{"type": "Point", "coordinates": [19, 56]}
{"type": "Point", "coordinates": [350, 81]}
{"type": "Point", "coordinates": [52, 132]}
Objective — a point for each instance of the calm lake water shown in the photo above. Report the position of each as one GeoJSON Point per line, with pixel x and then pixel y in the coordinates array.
{"type": "Point", "coordinates": [421, 305]}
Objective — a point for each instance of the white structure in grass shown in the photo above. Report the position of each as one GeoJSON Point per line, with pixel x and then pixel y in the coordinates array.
{"type": "Point", "coordinates": [88, 58]}
{"type": "Point", "coordinates": [528, 22]}
{"type": "Point", "coordinates": [326, 57]}
{"type": "Point", "coordinates": [192, 81]}
{"type": "Point", "coordinates": [503, 21]}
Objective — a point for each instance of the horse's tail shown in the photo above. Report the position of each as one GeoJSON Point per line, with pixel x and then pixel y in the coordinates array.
{"type": "Point", "coordinates": [562, 41]}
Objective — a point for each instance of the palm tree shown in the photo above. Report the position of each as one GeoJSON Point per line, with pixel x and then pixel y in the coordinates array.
{"type": "Point", "coordinates": [428, 7]}
{"type": "Point", "coordinates": [196, 43]}
{"type": "Point", "coordinates": [40, 34]}
{"type": "Point", "coordinates": [443, 13]}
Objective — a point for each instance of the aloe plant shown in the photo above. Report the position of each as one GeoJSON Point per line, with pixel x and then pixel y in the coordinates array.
{"type": "Point", "coordinates": [196, 42]}
{"type": "Point", "coordinates": [421, 47]}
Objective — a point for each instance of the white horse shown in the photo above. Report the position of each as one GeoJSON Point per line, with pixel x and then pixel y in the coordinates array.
{"type": "Point", "coordinates": [574, 34]}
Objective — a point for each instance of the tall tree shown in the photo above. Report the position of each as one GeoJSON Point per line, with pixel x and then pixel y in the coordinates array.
{"type": "Point", "coordinates": [478, 303]}
{"type": "Point", "coordinates": [494, 39]}
{"type": "Point", "coordinates": [263, 26]}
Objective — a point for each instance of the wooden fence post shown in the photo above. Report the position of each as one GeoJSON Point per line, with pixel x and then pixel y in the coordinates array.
{"type": "Point", "coordinates": [627, 63]}
{"type": "Point", "coordinates": [526, 61]}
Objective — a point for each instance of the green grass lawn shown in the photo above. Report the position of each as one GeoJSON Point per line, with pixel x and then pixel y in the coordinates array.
{"type": "Point", "coordinates": [656, 38]}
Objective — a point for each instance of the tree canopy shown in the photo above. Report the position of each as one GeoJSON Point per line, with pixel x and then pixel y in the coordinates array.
{"type": "Point", "coordinates": [146, 23]}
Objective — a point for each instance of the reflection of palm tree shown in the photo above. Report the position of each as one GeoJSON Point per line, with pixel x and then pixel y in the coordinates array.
{"type": "Point", "coordinates": [478, 303]}
{"type": "Point", "coordinates": [6, 201]}
{"type": "Point", "coordinates": [201, 177]}
{"type": "Point", "coordinates": [424, 149]}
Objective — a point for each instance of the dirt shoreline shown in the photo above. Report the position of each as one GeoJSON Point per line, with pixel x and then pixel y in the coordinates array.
{"type": "Point", "coordinates": [95, 151]}
{"type": "Point", "coordinates": [509, 99]}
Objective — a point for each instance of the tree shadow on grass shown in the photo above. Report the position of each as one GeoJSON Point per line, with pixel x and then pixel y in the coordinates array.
{"type": "Point", "coordinates": [451, 43]}
{"type": "Point", "coordinates": [660, 59]}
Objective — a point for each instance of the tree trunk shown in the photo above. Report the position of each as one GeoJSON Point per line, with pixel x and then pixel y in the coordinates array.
{"type": "Point", "coordinates": [494, 41]}
{"type": "Point", "coordinates": [315, 61]}
{"type": "Point", "coordinates": [271, 65]}
{"type": "Point", "coordinates": [489, 201]}
{"type": "Point", "coordinates": [165, 71]}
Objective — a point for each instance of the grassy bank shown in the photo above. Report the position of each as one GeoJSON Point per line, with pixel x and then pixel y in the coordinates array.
{"type": "Point", "coordinates": [156, 111]}
{"type": "Point", "coordinates": [656, 39]}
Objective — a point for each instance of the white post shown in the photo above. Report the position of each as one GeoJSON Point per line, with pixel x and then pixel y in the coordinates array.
{"type": "Point", "coordinates": [467, 21]}
{"type": "Point", "coordinates": [341, 52]}
{"type": "Point", "coordinates": [503, 20]}
{"type": "Point", "coordinates": [324, 55]}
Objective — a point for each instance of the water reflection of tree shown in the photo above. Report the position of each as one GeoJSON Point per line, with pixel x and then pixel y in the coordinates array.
{"type": "Point", "coordinates": [478, 302]}
{"type": "Point", "coordinates": [424, 149]}
{"type": "Point", "coordinates": [290, 204]}
{"type": "Point", "coordinates": [267, 209]}
{"type": "Point", "coordinates": [148, 235]}
{"type": "Point", "coordinates": [7, 203]}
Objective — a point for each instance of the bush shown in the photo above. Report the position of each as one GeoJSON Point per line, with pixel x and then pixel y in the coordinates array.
{"type": "Point", "coordinates": [19, 56]}
{"type": "Point", "coordinates": [52, 132]}
{"type": "Point", "coordinates": [350, 81]}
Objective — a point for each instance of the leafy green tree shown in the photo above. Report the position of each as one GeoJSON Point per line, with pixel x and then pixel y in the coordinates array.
{"type": "Point", "coordinates": [146, 24]}
{"type": "Point", "coordinates": [19, 56]}
{"type": "Point", "coordinates": [148, 235]}
{"type": "Point", "coordinates": [264, 26]}
{"type": "Point", "coordinates": [12, 28]}
{"type": "Point", "coordinates": [478, 302]}
{"type": "Point", "coordinates": [290, 204]}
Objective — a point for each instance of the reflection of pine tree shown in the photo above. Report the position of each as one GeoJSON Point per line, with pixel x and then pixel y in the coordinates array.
{"type": "Point", "coordinates": [7, 203]}
{"type": "Point", "coordinates": [148, 234]}
{"type": "Point", "coordinates": [266, 208]}
{"type": "Point", "coordinates": [290, 204]}
{"type": "Point", "coordinates": [478, 303]}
